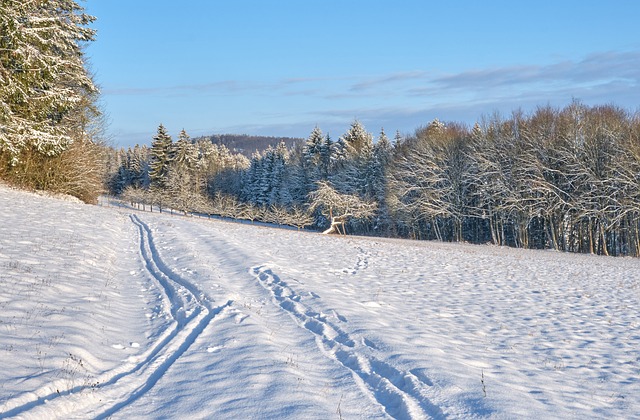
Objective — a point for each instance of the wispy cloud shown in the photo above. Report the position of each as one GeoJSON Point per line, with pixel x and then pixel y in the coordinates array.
{"type": "Point", "coordinates": [399, 100]}
{"type": "Point", "coordinates": [222, 87]}
{"type": "Point", "coordinates": [594, 69]}
{"type": "Point", "coordinates": [606, 77]}
{"type": "Point", "coordinates": [287, 86]}
{"type": "Point", "coordinates": [386, 80]}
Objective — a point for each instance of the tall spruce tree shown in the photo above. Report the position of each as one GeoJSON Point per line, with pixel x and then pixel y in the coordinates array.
{"type": "Point", "coordinates": [326, 156]}
{"type": "Point", "coordinates": [161, 156]}
{"type": "Point", "coordinates": [313, 147]}
{"type": "Point", "coordinates": [375, 171]}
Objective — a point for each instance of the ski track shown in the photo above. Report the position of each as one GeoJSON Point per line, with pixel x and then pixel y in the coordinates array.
{"type": "Point", "coordinates": [191, 312]}
{"type": "Point", "coordinates": [401, 394]}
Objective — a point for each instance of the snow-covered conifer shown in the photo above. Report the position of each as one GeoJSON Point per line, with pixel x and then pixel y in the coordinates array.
{"type": "Point", "coordinates": [356, 143]}
{"type": "Point", "coordinates": [43, 75]}
{"type": "Point", "coordinates": [251, 179]}
{"type": "Point", "coordinates": [326, 156]}
{"type": "Point", "coordinates": [160, 158]}
{"type": "Point", "coordinates": [312, 147]}
{"type": "Point", "coordinates": [376, 169]}
{"type": "Point", "coordinates": [185, 153]}
{"type": "Point", "coordinates": [397, 139]}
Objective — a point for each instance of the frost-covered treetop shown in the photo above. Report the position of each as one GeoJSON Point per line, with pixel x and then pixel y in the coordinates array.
{"type": "Point", "coordinates": [356, 142]}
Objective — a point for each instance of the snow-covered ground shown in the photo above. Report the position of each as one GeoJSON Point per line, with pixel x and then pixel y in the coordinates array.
{"type": "Point", "coordinates": [107, 312]}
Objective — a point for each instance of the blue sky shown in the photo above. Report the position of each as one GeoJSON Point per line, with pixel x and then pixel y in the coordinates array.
{"type": "Point", "coordinates": [283, 67]}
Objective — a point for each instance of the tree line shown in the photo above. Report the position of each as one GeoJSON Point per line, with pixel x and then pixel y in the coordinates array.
{"type": "Point", "coordinates": [246, 144]}
{"type": "Point", "coordinates": [565, 179]}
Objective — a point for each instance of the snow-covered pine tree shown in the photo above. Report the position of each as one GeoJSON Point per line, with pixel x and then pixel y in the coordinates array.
{"type": "Point", "coordinates": [265, 183]}
{"type": "Point", "coordinates": [357, 143]}
{"type": "Point", "coordinates": [44, 79]}
{"type": "Point", "coordinates": [185, 153]}
{"type": "Point", "coordinates": [326, 156]}
{"type": "Point", "coordinates": [383, 142]}
{"type": "Point", "coordinates": [184, 182]}
{"type": "Point", "coordinates": [251, 179]}
{"type": "Point", "coordinates": [280, 187]}
{"type": "Point", "coordinates": [121, 179]}
{"type": "Point", "coordinates": [376, 169]}
{"type": "Point", "coordinates": [397, 139]}
{"type": "Point", "coordinates": [313, 147]}
{"type": "Point", "coordinates": [139, 166]}
{"type": "Point", "coordinates": [377, 180]}
{"type": "Point", "coordinates": [161, 156]}
{"type": "Point", "coordinates": [354, 151]}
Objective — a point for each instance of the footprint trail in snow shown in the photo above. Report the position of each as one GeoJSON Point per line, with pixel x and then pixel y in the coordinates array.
{"type": "Point", "coordinates": [401, 394]}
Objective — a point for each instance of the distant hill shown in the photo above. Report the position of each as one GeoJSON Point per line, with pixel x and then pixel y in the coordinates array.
{"type": "Point", "coordinates": [247, 145]}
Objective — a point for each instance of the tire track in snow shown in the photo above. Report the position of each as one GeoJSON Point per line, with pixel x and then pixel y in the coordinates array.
{"type": "Point", "coordinates": [403, 395]}
{"type": "Point", "coordinates": [191, 312]}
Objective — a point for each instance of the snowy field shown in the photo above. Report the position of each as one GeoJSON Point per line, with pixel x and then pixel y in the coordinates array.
{"type": "Point", "coordinates": [106, 312]}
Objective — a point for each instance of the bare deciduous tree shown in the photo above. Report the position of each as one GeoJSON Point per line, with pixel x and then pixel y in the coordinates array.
{"type": "Point", "coordinates": [338, 208]}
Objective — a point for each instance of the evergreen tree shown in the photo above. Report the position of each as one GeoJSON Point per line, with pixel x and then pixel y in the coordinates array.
{"type": "Point", "coordinates": [383, 141]}
{"type": "Point", "coordinates": [267, 164]}
{"type": "Point", "coordinates": [44, 79]}
{"type": "Point", "coordinates": [122, 178]}
{"type": "Point", "coordinates": [313, 147]}
{"type": "Point", "coordinates": [161, 156]}
{"type": "Point", "coordinates": [354, 152]}
{"type": "Point", "coordinates": [397, 139]}
{"type": "Point", "coordinates": [356, 143]}
{"type": "Point", "coordinates": [185, 153]}
{"type": "Point", "coordinates": [376, 170]}
{"type": "Point", "coordinates": [252, 178]}
{"type": "Point", "coordinates": [326, 156]}
{"type": "Point", "coordinates": [280, 187]}
{"type": "Point", "coordinates": [138, 165]}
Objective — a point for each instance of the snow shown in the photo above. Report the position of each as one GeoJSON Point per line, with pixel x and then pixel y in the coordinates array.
{"type": "Point", "coordinates": [109, 312]}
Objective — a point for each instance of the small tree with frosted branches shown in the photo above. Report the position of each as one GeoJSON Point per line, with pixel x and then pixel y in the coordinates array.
{"type": "Point", "coordinates": [339, 208]}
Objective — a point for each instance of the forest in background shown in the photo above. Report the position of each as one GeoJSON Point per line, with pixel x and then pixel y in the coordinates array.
{"type": "Point", "coordinates": [566, 179]}
{"type": "Point", "coordinates": [248, 144]}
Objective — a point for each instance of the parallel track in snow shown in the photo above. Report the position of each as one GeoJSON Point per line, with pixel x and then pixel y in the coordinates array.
{"type": "Point", "coordinates": [191, 312]}
{"type": "Point", "coordinates": [402, 394]}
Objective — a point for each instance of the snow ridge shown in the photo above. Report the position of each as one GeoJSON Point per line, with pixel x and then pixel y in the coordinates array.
{"type": "Point", "coordinates": [401, 394]}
